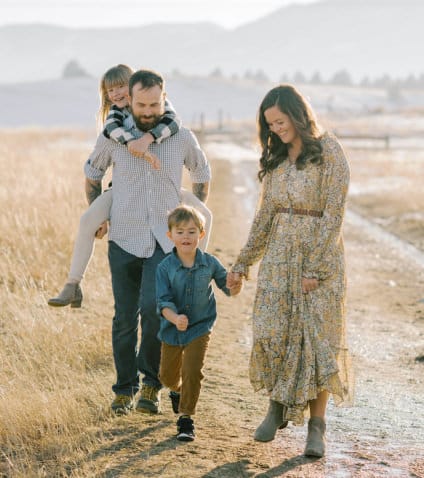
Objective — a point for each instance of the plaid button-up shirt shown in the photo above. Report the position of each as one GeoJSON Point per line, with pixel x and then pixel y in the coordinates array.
{"type": "Point", "coordinates": [141, 195]}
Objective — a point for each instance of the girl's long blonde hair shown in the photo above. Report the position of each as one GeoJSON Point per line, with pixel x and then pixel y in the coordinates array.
{"type": "Point", "coordinates": [117, 75]}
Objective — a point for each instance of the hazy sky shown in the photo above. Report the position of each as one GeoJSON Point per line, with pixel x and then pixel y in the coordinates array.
{"type": "Point", "coordinates": [74, 13]}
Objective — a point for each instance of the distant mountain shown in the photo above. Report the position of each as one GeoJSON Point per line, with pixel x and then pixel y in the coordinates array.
{"type": "Point", "coordinates": [73, 102]}
{"type": "Point", "coordinates": [364, 37]}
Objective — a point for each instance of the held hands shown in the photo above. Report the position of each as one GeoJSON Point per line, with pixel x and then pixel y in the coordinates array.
{"type": "Point", "coordinates": [181, 322]}
{"type": "Point", "coordinates": [101, 231]}
{"type": "Point", "coordinates": [138, 147]}
{"type": "Point", "coordinates": [234, 282]}
{"type": "Point", "coordinates": [309, 285]}
{"type": "Point", "coordinates": [235, 290]}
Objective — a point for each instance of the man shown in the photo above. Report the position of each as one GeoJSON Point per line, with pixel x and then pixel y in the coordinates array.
{"type": "Point", "coordinates": [137, 237]}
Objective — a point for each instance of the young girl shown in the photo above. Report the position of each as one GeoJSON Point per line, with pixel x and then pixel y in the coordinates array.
{"type": "Point", "coordinates": [93, 223]}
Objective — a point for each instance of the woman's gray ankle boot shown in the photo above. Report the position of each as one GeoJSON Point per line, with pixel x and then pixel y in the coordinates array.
{"type": "Point", "coordinates": [275, 419]}
{"type": "Point", "coordinates": [70, 294]}
{"type": "Point", "coordinates": [315, 442]}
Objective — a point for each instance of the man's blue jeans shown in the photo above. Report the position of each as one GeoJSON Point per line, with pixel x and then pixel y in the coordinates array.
{"type": "Point", "coordinates": [134, 291]}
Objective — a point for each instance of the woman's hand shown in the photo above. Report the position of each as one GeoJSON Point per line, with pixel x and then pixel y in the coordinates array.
{"type": "Point", "coordinates": [236, 289]}
{"type": "Point", "coordinates": [309, 285]}
{"type": "Point", "coordinates": [234, 280]}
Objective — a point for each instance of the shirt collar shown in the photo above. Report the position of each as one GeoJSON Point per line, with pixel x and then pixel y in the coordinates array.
{"type": "Point", "coordinates": [199, 260]}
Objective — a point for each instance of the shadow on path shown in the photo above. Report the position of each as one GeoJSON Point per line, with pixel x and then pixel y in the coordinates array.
{"type": "Point", "coordinates": [240, 469]}
{"type": "Point", "coordinates": [286, 466]}
{"type": "Point", "coordinates": [127, 437]}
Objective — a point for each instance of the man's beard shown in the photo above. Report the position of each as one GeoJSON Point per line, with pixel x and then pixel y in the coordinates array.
{"type": "Point", "coordinates": [146, 125]}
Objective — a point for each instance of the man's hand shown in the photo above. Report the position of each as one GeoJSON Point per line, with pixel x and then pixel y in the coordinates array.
{"type": "Point", "coordinates": [309, 285]}
{"type": "Point", "coordinates": [201, 191]}
{"type": "Point", "coordinates": [93, 189]}
{"type": "Point", "coordinates": [101, 231]}
{"type": "Point", "coordinates": [181, 322]}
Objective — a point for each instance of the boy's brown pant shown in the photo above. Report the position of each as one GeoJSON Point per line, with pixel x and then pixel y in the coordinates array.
{"type": "Point", "coordinates": [181, 371]}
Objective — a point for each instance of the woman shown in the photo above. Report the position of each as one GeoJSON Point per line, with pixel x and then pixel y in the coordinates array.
{"type": "Point", "coordinates": [299, 354]}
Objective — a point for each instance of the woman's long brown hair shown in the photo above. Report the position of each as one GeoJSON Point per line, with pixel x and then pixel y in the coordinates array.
{"type": "Point", "coordinates": [290, 102]}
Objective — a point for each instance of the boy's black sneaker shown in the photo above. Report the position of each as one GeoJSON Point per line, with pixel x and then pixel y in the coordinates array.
{"type": "Point", "coordinates": [185, 429]}
{"type": "Point", "coordinates": [175, 400]}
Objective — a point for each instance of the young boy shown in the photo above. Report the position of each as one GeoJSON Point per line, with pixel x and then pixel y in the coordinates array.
{"type": "Point", "coordinates": [186, 304]}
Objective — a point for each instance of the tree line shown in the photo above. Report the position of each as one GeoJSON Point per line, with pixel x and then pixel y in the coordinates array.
{"type": "Point", "coordinates": [340, 78]}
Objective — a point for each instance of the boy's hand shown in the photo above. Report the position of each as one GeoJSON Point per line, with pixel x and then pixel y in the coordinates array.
{"type": "Point", "coordinates": [101, 231]}
{"type": "Point", "coordinates": [234, 279]}
{"type": "Point", "coordinates": [181, 322]}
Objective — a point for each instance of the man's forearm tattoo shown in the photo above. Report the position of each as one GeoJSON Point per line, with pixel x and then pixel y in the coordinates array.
{"type": "Point", "coordinates": [92, 190]}
{"type": "Point", "coordinates": [201, 190]}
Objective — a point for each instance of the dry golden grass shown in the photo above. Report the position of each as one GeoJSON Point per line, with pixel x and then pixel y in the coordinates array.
{"type": "Point", "coordinates": [54, 363]}
{"type": "Point", "coordinates": [56, 367]}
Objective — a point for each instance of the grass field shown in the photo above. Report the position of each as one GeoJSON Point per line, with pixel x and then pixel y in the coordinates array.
{"type": "Point", "coordinates": [56, 367]}
{"type": "Point", "coordinates": [54, 364]}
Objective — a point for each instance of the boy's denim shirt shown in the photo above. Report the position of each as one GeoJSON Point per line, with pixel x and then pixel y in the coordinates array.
{"type": "Point", "coordinates": [188, 291]}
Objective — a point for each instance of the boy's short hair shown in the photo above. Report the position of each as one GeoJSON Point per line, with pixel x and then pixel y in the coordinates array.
{"type": "Point", "coordinates": [183, 214]}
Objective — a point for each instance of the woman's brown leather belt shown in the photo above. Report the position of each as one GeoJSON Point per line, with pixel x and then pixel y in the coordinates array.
{"type": "Point", "coordinates": [301, 212]}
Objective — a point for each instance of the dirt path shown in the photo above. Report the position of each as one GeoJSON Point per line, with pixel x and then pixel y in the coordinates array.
{"type": "Point", "coordinates": [381, 436]}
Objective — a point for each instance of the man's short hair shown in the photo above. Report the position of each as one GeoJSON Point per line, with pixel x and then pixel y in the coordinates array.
{"type": "Point", "coordinates": [184, 213]}
{"type": "Point", "coordinates": [147, 78]}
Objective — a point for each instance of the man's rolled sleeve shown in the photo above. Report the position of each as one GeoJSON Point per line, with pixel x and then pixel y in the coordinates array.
{"type": "Point", "coordinates": [196, 162]}
{"type": "Point", "coordinates": [100, 159]}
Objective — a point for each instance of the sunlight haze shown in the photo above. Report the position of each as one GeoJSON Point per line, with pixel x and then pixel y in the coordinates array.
{"type": "Point", "coordinates": [92, 13]}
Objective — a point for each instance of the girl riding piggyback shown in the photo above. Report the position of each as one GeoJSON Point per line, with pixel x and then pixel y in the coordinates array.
{"type": "Point", "coordinates": [93, 223]}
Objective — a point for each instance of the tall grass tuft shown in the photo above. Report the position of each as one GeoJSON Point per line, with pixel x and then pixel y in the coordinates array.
{"type": "Point", "coordinates": [55, 364]}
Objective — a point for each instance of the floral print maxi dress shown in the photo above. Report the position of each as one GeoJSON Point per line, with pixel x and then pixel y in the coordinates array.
{"type": "Point", "coordinates": [299, 346]}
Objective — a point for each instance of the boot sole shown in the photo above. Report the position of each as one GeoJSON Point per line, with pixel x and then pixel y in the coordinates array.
{"type": "Point", "coordinates": [146, 407]}
{"type": "Point", "coordinates": [121, 411]}
{"type": "Point", "coordinates": [313, 453]}
{"type": "Point", "coordinates": [74, 305]}
{"type": "Point", "coordinates": [56, 304]}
